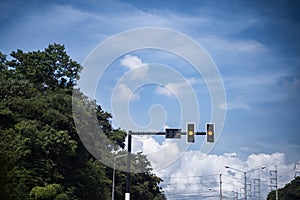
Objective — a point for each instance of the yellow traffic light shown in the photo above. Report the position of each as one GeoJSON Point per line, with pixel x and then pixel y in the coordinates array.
{"type": "Point", "coordinates": [210, 132]}
{"type": "Point", "coordinates": [190, 129]}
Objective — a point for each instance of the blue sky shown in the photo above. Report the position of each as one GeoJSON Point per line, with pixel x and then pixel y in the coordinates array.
{"type": "Point", "coordinates": [254, 44]}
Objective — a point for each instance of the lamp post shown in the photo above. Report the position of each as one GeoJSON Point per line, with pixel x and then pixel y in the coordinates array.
{"type": "Point", "coordinates": [114, 172]}
{"type": "Point", "coordinates": [245, 176]}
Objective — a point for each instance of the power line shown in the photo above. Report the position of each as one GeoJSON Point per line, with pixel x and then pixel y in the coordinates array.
{"type": "Point", "coordinates": [190, 183]}
{"type": "Point", "coordinates": [232, 177]}
{"type": "Point", "coordinates": [184, 177]}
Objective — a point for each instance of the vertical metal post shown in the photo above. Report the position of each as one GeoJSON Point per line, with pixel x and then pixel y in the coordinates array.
{"type": "Point", "coordinates": [235, 195]}
{"type": "Point", "coordinates": [276, 182]}
{"type": "Point", "coordinates": [258, 187]}
{"type": "Point", "coordinates": [241, 193]}
{"type": "Point", "coordinates": [127, 190]}
{"type": "Point", "coordinates": [113, 186]}
{"type": "Point", "coordinates": [221, 187]}
{"type": "Point", "coordinates": [297, 169]}
{"type": "Point", "coordinates": [274, 177]}
{"type": "Point", "coordinates": [245, 184]}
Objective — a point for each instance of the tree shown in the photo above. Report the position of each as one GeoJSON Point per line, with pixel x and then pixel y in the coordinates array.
{"type": "Point", "coordinates": [290, 191]}
{"type": "Point", "coordinates": [37, 134]}
{"type": "Point", "coordinates": [41, 154]}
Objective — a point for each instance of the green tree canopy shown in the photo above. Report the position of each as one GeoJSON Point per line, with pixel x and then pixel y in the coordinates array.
{"type": "Point", "coordinates": [290, 191]}
{"type": "Point", "coordinates": [41, 154]}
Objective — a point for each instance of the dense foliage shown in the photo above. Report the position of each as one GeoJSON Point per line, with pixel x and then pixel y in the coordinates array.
{"type": "Point", "coordinates": [41, 155]}
{"type": "Point", "coordinates": [290, 191]}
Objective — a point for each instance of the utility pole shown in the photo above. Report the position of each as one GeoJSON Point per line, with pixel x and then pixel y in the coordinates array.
{"type": "Point", "coordinates": [221, 187]}
{"type": "Point", "coordinates": [241, 192]}
{"type": "Point", "coordinates": [256, 188]}
{"type": "Point", "coordinates": [245, 184]}
{"type": "Point", "coordinates": [245, 178]}
{"type": "Point", "coordinates": [274, 181]}
{"type": "Point", "coordinates": [249, 196]}
{"type": "Point", "coordinates": [235, 195]}
{"type": "Point", "coordinates": [297, 169]}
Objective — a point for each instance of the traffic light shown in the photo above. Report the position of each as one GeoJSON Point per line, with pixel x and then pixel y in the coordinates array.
{"type": "Point", "coordinates": [190, 132]}
{"type": "Point", "coordinates": [173, 133]}
{"type": "Point", "coordinates": [210, 132]}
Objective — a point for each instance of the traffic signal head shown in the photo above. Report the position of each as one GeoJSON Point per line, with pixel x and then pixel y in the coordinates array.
{"type": "Point", "coordinates": [190, 132]}
{"type": "Point", "coordinates": [210, 132]}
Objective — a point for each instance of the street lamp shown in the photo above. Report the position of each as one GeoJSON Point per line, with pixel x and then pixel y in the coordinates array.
{"type": "Point", "coordinates": [245, 176]}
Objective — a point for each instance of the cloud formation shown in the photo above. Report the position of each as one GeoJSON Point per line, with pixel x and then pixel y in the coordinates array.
{"type": "Point", "coordinates": [124, 93]}
{"type": "Point", "coordinates": [234, 105]}
{"type": "Point", "coordinates": [175, 88]}
{"type": "Point", "coordinates": [191, 175]}
{"type": "Point", "coordinates": [260, 70]}
{"type": "Point", "coordinates": [195, 173]}
{"type": "Point", "coordinates": [136, 67]}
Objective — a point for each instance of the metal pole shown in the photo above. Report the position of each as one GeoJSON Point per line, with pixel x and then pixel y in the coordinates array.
{"type": "Point", "coordinates": [276, 182]}
{"type": "Point", "coordinates": [245, 183]}
{"type": "Point", "coordinates": [296, 167]}
{"type": "Point", "coordinates": [127, 190]}
{"type": "Point", "coordinates": [221, 187]}
{"type": "Point", "coordinates": [241, 193]}
{"type": "Point", "coordinates": [250, 192]}
{"type": "Point", "coordinates": [258, 187]}
{"type": "Point", "coordinates": [113, 186]}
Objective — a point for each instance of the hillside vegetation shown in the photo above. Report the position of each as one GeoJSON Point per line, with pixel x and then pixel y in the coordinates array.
{"type": "Point", "coordinates": [41, 154]}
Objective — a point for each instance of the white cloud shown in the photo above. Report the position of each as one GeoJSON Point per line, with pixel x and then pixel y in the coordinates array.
{"type": "Point", "coordinates": [124, 93]}
{"type": "Point", "coordinates": [166, 126]}
{"type": "Point", "coordinates": [191, 174]}
{"type": "Point", "coordinates": [195, 173]}
{"type": "Point", "coordinates": [192, 81]}
{"type": "Point", "coordinates": [264, 159]}
{"type": "Point", "coordinates": [131, 62]}
{"type": "Point", "coordinates": [231, 154]}
{"type": "Point", "coordinates": [256, 85]}
{"type": "Point", "coordinates": [160, 90]}
{"type": "Point", "coordinates": [234, 105]}
{"type": "Point", "coordinates": [138, 69]}
{"type": "Point", "coordinates": [233, 45]}
{"type": "Point", "coordinates": [176, 89]}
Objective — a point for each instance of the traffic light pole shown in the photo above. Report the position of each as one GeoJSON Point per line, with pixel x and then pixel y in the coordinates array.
{"type": "Point", "coordinates": [127, 190]}
{"type": "Point", "coordinates": [130, 133]}
{"type": "Point", "coordinates": [163, 133]}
